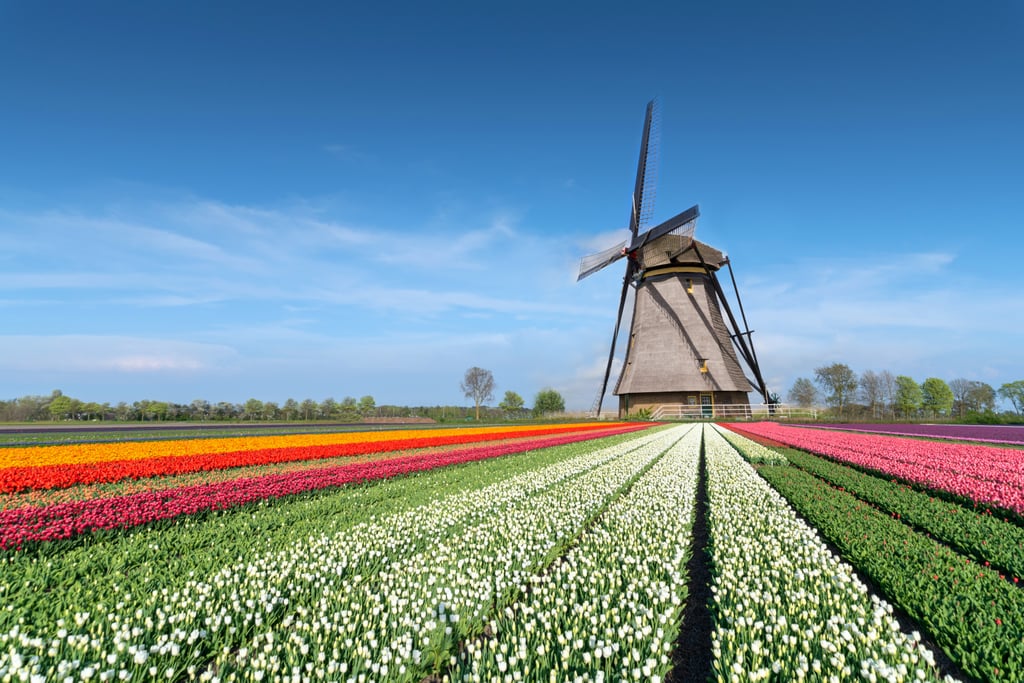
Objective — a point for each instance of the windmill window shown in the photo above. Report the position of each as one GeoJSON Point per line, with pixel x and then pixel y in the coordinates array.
{"type": "Point", "coordinates": [702, 363]}
{"type": "Point", "coordinates": [689, 285]}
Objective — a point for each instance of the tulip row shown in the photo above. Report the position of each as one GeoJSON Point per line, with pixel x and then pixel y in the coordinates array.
{"type": "Point", "coordinates": [983, 537]}
{"type": "Point", "coordinates": [40, 497]}
{"type": "Point", "coordinates": [984, 474]}
{"type": "Point", "coordinates": [752, 451]}
{"type": "Point", "coordinates": [383, 599]}
{"type": "Point", "coordinates": [64, 466]}
{"type": "Point", "coordinates": [64, 520]}
{"type": "Point", "coordinates": [989, 433]}
{"type": "Point", "coordinates": [598, 612]}
{"type": "Point", "coordinates": [130, 450]}
{"type": "Point", "coordinates": [975, 615]}
{"type": "Point", "coordinates": [785, 608]}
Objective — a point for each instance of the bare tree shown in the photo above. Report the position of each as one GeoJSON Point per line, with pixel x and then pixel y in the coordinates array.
{"type": "Point", "coordinates": [961, 388]}
{"type": "Point", "coordinates": [803, 393]}
{"type": "Point", "coordinates": [871, 391]}
{"type": "Point", "coordinates": [972, 396]}
{"type": "Point", "coordinates": [478, 384]}
{"type": "Point", "coordinates": [887, 387]}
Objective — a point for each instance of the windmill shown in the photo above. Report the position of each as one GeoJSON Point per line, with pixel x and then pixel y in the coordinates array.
{"type": "Point", "coordinates": [682, 349]}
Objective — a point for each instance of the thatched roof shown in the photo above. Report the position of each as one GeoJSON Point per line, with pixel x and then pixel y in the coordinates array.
{"type": "Point", "coordinates": [674, 330]}
{"type": "Point", "coordinates": [680, 250]}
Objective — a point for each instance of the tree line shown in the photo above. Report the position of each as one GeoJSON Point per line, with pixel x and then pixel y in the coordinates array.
{"type": "Point", "coordinates": [885, 396]}
{"type": "Point", "coordinates": [59, 407]}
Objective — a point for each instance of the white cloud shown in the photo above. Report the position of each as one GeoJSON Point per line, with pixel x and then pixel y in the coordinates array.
{"type": "Point", "coordinates": [77, 353]}
{"type": "Point", "coordinates": [604, 240]}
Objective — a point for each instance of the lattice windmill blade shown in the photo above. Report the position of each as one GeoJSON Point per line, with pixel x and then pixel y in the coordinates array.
{"type": "Point", "coordinates": [595, 262]}
{"type": "Point", "coordinates": [644, 189]}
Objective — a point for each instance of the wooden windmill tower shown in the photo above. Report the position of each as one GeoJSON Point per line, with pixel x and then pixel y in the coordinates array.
{"type": "Point", "coordinates": [684, 338]}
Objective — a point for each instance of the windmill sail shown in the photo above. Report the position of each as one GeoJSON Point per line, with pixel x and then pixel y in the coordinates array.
{"type": "Point", "coordinates": [646, 170]}
{"type": "Point", "coordinates": [595, 262]}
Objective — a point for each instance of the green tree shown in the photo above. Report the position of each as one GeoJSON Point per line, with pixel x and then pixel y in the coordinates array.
{"type": "Point", "coordinates": [907, 399]}
{"type": "Point", "coordinates": [200, 408]}
{"type": "Point", "coordinates": [308, 409]}
{"type": "Point", "coordinates": [548, 401]}
{"type": "Point", "coordinates": [290, 409]}
{"type": "Point", "coordinates": [92, 410]}
{"type": "Point", "coordinates": [981, 398]}
{"type": "Point", "coordinates": [159, 409]}
{"type": "Point", "coordinates": [478, 384]}
{"type": "Point", "coordinates": [60, 407]}
{"type": "Point", "coordinates": [838, 382]}
{"type": "Point", "coordinates": [1014, 393]}
{"type": "Point", "coordinates": [367, 405]}
{"type": "Point", "coordinates": [348, 410]}
{"type": "Point", "coordinates": [328, 408]}
{"type": "Point", "coordinates": [936, 396]}
{"type": "Point", "coordinates": [803, 393]}
{"type": "Point", "coordinates": [512, 403]}
{"type": "Point", "coordinates": [253, 409]}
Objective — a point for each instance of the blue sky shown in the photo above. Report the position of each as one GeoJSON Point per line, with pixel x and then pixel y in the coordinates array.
{"type": "Point", "coordinates": [242, 199]}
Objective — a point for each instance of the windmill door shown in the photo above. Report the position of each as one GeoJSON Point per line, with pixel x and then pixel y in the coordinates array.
{"type": "Point", "coordinates": [706, 409]}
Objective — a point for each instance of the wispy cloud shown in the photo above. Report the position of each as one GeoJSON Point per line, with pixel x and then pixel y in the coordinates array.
{"type": "Point", "coordinates": [346, 152]}
{"type": "Point", "coordinates": [271, 293]}
{"type": "Point", "coordinates": [78, 353]}
{"type": "Point", "coordinates": [914, 313]}
{"type": "Point", "coordinates": [275, 255]}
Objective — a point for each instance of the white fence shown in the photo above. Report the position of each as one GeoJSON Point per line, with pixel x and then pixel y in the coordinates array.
{"type": "Point", "coordinates": [777, 411]}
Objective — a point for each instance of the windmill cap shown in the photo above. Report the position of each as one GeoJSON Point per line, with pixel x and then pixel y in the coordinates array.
{"type": "Point", "coordinates": [680, 250]}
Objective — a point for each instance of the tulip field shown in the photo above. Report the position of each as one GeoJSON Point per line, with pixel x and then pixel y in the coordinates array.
{"type": "Point", "coordinates": [980, 474]}
{"type": "Point", "coordinates": [1008, 434]}
{"type": "Point", "coordinates": [537, 553]}
{"type": "Point", "coordinates": [935, 526]}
